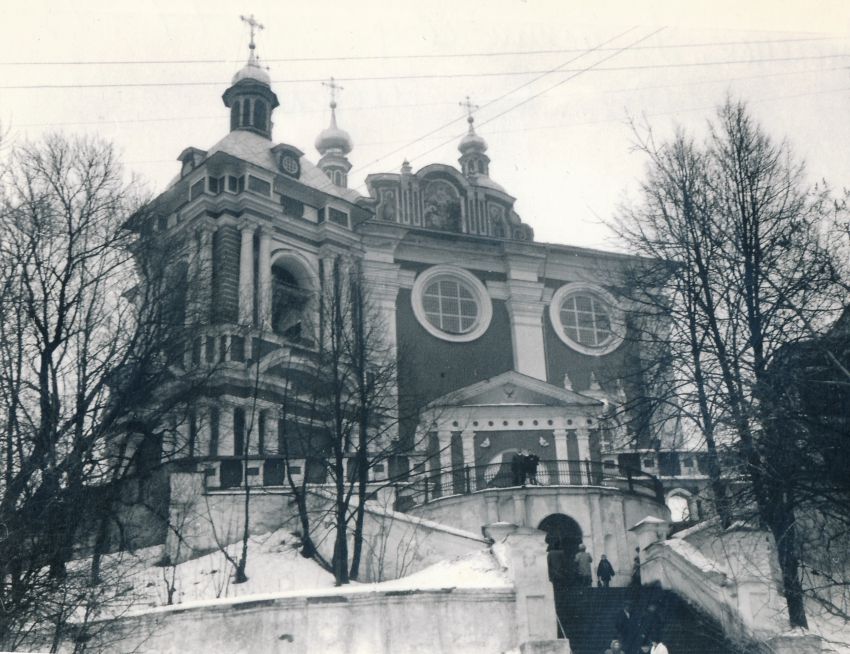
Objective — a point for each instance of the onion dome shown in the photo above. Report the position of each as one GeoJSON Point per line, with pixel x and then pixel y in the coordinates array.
{"type": "Point", "coordinates": [333, 138]}
{"type": "Point", "coordinates": [471, 142]}
{"type": "Point", "coordinates": [252, 71]}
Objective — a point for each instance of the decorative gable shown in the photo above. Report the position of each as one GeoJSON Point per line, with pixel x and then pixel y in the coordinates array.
{"type": "Point", "coordinates": [514, 388]}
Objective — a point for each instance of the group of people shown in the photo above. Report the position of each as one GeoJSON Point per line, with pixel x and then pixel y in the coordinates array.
{"type": "Point", "coordinates": [582, 565]}
{"type": "Point", "coordinates": [638, 632]}
{"type": "Point", "coordinates": [524, 468]}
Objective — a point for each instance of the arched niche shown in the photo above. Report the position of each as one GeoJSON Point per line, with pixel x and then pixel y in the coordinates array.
{"type": "Point", "coordinates": [294, 288]}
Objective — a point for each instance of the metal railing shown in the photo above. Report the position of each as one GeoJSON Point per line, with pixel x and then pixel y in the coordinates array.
{"type": "Point", "coordinates": [424, 484]}
{"type": "Point", "coordinates": [438, 483]}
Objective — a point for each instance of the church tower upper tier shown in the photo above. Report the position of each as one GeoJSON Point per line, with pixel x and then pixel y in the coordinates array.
{"type": "Point", "coordinates": [250, 98]}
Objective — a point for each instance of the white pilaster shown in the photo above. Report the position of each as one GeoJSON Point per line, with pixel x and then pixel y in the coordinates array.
{"type": "Point", "coordinates": [467, 438]}
{"type": "Point", "coordinates": [562, 455]}
{"type": "Point", "coordinates": [264, 301]}
{"type": "Point", "coordinates": [444, 439]}
{"type": "Point", "coordinates": [583, 438]}
{"type": "Point", "coordinates": [525, 307]}
{"type": "Point", "coordinates": [246, 274]}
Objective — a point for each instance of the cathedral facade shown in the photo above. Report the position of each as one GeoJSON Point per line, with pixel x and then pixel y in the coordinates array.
{"type": "Point", "coordinates": [505, 350]}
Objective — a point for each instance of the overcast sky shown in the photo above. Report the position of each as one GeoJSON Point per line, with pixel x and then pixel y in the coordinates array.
{"type": "Point", "coordinates": [555, 115]}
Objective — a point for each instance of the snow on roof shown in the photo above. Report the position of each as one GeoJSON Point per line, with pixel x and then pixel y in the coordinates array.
{"type": "Point", "coordinates": [257, 150]}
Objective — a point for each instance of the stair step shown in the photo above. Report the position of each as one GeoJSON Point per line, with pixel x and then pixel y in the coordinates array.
{"type": "Point", "coordinates": [589, 616]}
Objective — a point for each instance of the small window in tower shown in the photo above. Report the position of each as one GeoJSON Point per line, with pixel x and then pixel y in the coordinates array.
{"type": "Point", "coordinates": [234, 116]}
{"type": "Point", "coordinates": [258, 185]}
{"type": "Point", "coordinates": [196, 189]}
{"type": "Point", "coordinates": [162, 223]}
{"type": "Point", "coordinates": [260, 114]}
{"type": "Point", "coordinates": [232, 184]}
{"type": "Point", "coordinates": [213, 185]}
{"type": "Point", "coordinates": [292, 207]}
{"type": "Point", "coordinates": [246, 112]}
{"type": "Point", "coordinates": [338, 217]}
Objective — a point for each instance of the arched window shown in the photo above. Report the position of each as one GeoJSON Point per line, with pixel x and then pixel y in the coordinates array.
{"type": "Point", "coordinates": [289, 304]}
{"type": "Point", "coordinates": [234, 115]}
{"type": "Point", "coordinates": [246, 112]}
{"type": "Point", "coordinates": [260, 114]}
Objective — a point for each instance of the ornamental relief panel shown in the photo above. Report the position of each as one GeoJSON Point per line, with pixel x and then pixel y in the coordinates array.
{"type": "Point", "coordinates": [441, 202]}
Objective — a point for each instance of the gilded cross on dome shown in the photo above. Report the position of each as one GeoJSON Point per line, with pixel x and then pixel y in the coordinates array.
{"type": "Point", "coordinates": [255, 27]}
{"type": "Point", "coordinates": [470, 108]}
{"type": "Point", "coordinates": [334, 87]}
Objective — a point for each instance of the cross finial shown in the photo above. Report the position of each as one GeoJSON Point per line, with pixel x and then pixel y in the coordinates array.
{"type": "Point", "coordinates": [334, 87]}
{"type": "Point", "coordinates": [255, 27]}
{"type": "Point", "coordinates": [470, 108]}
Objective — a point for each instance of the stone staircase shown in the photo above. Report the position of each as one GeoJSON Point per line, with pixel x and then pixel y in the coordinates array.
{"type": "Point", "coordinates": [589, 615]}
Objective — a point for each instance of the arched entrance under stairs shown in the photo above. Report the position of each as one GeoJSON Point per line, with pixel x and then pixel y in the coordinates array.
{"type": "Point", "coordinates": [564, 534]}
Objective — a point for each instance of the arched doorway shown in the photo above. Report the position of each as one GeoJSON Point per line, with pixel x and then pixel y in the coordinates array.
{"type": "Point", "coordinates": [564, 534]}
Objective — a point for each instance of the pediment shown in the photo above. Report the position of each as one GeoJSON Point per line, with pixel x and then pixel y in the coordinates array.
{"type": "Point", "coordinates": [511, 389]}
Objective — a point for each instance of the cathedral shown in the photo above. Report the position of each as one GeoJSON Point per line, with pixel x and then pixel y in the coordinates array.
{"type": "Point", "coordinates": [505, 351]}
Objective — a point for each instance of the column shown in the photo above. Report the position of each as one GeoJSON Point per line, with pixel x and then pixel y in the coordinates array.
{"type": "Point", "coordinates": [246, 274]}
{"type": "Point", "coordinates": [583, 438]}
{"type": "Point", "coordinates": [467, 438]}
{"type": "Point", "coordinates": [264, 301]}
{"type": "Point", "coordinates": [561, 454]}
{"type": "Point", "coordinates": [444, 440]}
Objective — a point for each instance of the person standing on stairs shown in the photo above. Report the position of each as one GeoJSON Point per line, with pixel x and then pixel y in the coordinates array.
{"type": "Point", "coordinates": [628, 628]}
{"type": "Point", "coordinates": [584, 571]}
{"type": "Point", "coordinates": [604, 571]}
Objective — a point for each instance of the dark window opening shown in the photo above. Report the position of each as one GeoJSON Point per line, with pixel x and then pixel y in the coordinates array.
{"type": "Point", "coordinates": [292, 207]}
{"type": "Point", "coordinates": [234, 116]}
{"type": "Point", "coordinates": [338, 217]}
{"type": "Point", "coordinates": [162, 223]}
{"type": "Point", "coordinates": [196, 190]}
{"type": "Point", "coordinates": [289, 302]}
{"type": "Point", "coordinates": [214, 426]}
{"type": "Point", "coordinates": [261, 431]}
{"type": "Point", "coordinates": [260, 114]}
{"type": "Point", "coordinates": [193, 433]}
{"type": "Point", "coordinates": [237, 348]}
{"type": "Point", "coordinates": [210, 353]}
{"type": "Point", "coordinates": [258, 185]}
{"type": "Point", "coordinates": [239, 431]}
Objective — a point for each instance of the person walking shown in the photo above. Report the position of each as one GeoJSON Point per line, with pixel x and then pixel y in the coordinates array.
{"type": "Point", "coordinates": [604, 571]}
{"type": "Point", "coordinates": [584, 571]}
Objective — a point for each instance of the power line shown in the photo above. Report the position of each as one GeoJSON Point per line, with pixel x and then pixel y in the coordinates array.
{"type": "Point", "coordinates": [395, 78]}
{"type": "Point", "coordinates": [384, 57]}
{"type": "Point", "coordinates": [353, 108]}
{"type": "Point", "coordinates": [504, 95]}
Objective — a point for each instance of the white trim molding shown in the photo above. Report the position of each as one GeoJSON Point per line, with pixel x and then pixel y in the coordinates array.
{"type": "Point", "coordinates": [615, 316]}
{"type": "Point", "coordinates": [471, 283]}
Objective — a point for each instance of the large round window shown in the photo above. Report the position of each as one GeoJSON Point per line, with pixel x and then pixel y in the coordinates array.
{"type": "Point", "coordinates": [451, 303]}
{"type": "Point", "coordinates": [586, 318]}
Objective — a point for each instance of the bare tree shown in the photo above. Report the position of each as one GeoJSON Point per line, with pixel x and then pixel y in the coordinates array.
{"type": "Point", "coordinates": [90, 330]}
{"type": "Point", "coordinates": [340, 422]}
{"type": "Point", "coordinates": [741, 270]}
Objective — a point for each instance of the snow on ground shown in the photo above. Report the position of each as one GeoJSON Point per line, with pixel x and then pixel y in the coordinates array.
{"type": "Point", "coordinates": [274, 565]}
{"type": "Point", "coordinates": [276, 569]}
